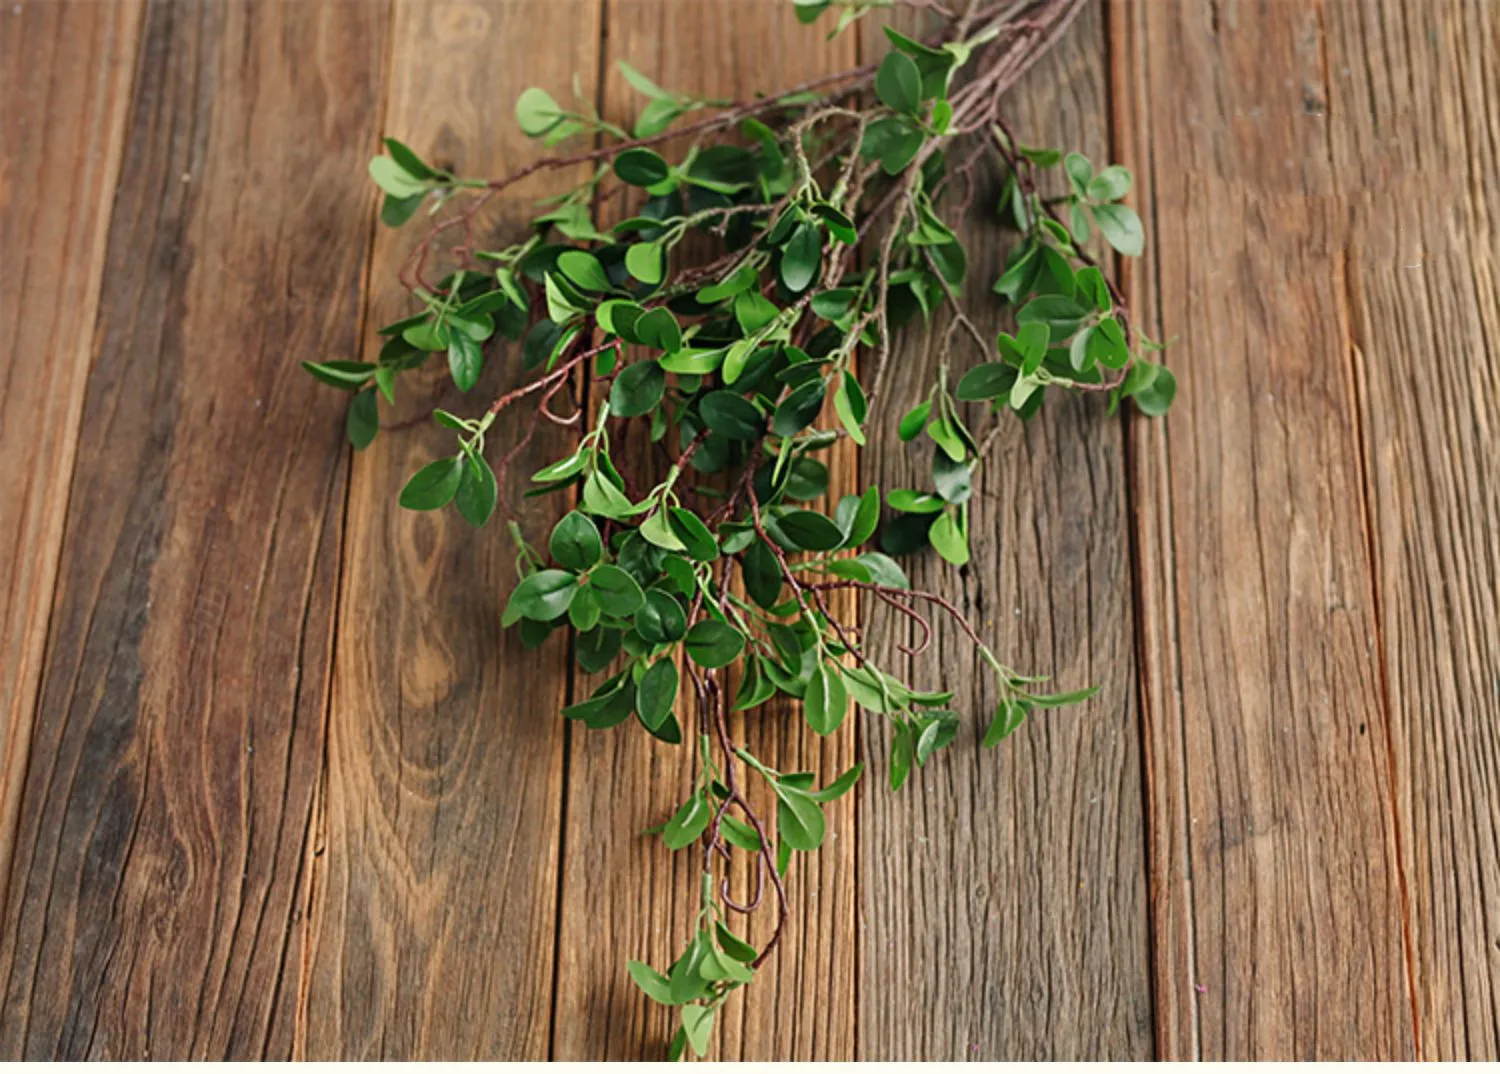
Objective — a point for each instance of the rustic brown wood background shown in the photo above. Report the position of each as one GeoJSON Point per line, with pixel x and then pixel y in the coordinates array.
{"type": "Point", "coordinates": [273, 782]}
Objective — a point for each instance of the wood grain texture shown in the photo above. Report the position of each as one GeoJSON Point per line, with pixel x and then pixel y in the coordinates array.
{"type": "Point", "coordinates": [625, 896]}
{"type": "Point", "coordinates": [434, 893]}
{"type": "Point", "coordinates": [1277, 884]}
{"type": "Point", "coordinates": [1414, 115]}
{"type": "Point", "coordinates": [179, 727]}
{"type": "Point", "coordinates": [1003, 893]}
{"type": "Point", "coordinates": [65, 73]}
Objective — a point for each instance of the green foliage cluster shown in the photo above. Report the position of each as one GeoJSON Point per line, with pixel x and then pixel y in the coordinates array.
{"type": "Point", "coordinates": [756, 286]}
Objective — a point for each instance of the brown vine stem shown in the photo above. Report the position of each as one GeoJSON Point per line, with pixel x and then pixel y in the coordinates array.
{"type": "Point", "coordinates": [411, 270]}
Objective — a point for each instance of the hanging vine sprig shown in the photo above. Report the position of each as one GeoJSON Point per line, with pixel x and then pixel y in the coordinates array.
{"type": "Point", "coordinates": [820, 224]}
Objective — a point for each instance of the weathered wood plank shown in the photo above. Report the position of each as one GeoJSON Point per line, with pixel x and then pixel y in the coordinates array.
{"type": "Point", "coordinates": [625, 896]}
{"type": "Point", "coordinates": [180, 722]}
{"type": "Point", "coordinates": [434, 898]}
{"type": "Point", "coordinates": [64, 91]}
{"type": "Point", "coordinates": [1276, 879]}
{"type": "Point", "coordinates": [1413, 109]}
{"type": "Point", "coordinates": [1003, 894]}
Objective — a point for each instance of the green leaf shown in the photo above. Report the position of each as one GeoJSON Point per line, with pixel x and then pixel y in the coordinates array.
{"type": "Point", "coordinates": [560, 308]}
{"type": "Point", "coordinates": [690, 821]}
{"type": "Point", "coordinates": [993, 380]}
{"type": "Point", "coordinates": [658, 530]}
{"type": "Point", "coordinates": [584, 613]}
{"type": "Point", "coordinates": [641, 83]}
{"type": "Point", "coordinates": [913, 420]}
{"type": "Point", "coordinates": [949, 540]}
{"type": "Point", "coordinates": [584, 269]}
{"type": "Point", "coordinates": [943, 434]}
{"type": "Point", "coordinates": [656, 694]}
{"type": "Point", "coordinates": [403, 155]}
{"type": "Point", "coordinates": [831, 305]}
{"type": "Point", "coordinates": [756, 687]}
{"type": "Point", "coordinates": [658, 328]}
{"type": "Point", "coordinates": [762, 574]}
{"type": "Point", "coordinates": [656, 117]}
{"type": "Point", "coordinates": [650, 982]}
{"type": "Point", "coordinates": [394, 179]}
{"type": "Point", "coordinates": [562, 468]}
{"type": "Point", "coordinates": [644, 261]}
{"type": "Point", "coordinates": [753, 311]}
{"type": "Point", "coordinates": [637, 389]}
{"type": "Point", "coordinates": [1078, 350]}
{"type": "Point", "coordinates": [1060, 314]}
{"type": "Point", "coordinates": [433, 485]}
{"type": "Point", "coordinates": [543, 596]}
{"type": "Point", "coordinates": [696, 538]}
{"type": "Point", "coordinates": [1057, 701]}
{"type": "Point", "coordinates": [350, 376]}
{"type": "Point", "coordinates": [1121, 228]}
{"type": "Point", "coordinates": [839, 787]}
{"type": "Point", "coordinates": [1107, 344]}
{"type": "Point", "coordinates": [865, 519]}
{"type": "Point", "coordinates": [900, 147]}
{"type": "Point", "coordinates": [603, 497]}
{"type": "Point", "coordinates": [1079, 170]}
{"type": "Point", "coordinates": [396, 211]}
{"type": "Point", "coordinates": [1016, 280]}
{"type": "Point", "coordinates": [898, 83]}
{"type": "Point", "coordinates": [536, 112]}
{"type": "Point", "coordinates": [1010, 714]}
{"type": "Point", "coordinates": [1042, 158]}
{"type": "Point", "coordinates": [618, 593]}
{"type": "Point", "coordinates": [798, 819]}
{"type": "Point", "coordinates": [712, 644]}
{"type": "Point", "coordinates": [801, 258]}
{"type": "Point", "coordinates": [661, 619]}
{"type": "Point", "coordinates": [575, 542]}
{"type": "Point", "coordinates": [596, 648]}
{"type": "Point", "coordinates": [809, 531]}
{"type": "Point", "coordinates": [901, 755]}
{"type": "Point", "coordinates": [939, 732]}
{"type": "Point", "coordinates": [849, 404]}
{"type": "Point", "coordinates": [1026, 388]}
{"type": "Point", "coordinates": [954, 480]}
{"type": "Point", "coordinates": [839, 225]}
{"type": "Point", "coordinates": [799, 409]}
{"type": "Point", "coordinates": [477, 491]}
{"type": "Point", "coordinates": [465, 358]}
{"type": "Point", "coordinates": [698, 1024]}
{"type": "Point", "coordinates": [732, 416]}
{"type": "Point", "coordinates": [363, 421]}
{"type": "Point", "coordinates": [1111, 184]}
{"type": "Point", "coordinates": [883, 569]}
{"type": "Point", "coordinates": [826, 702]}
{"type": "Point", "coordinates": [740, 281]}
{"type": "Point", "coordinates": [919, 503]}
{"type": "Point", "coordinates": [733, 946]}
{"type": "Point", "coordinates": [1156, 398]}
{"type": "Point", "coordinates": [641, 167]}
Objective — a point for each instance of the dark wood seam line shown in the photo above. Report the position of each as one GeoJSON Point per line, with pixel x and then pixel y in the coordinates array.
{"type": "Point", "coordinates": [1359, 397]}
{"type": "Point", "coordinates": [857, 836]}
{"type": "Point", "coordinates": [1121, 130]}
{"type": "Point", "coordinates": [1146, 683]}
{"type": "Point", "coordinates": [318, 810]}
{"type": "Point", "coordinates": [570, 668]}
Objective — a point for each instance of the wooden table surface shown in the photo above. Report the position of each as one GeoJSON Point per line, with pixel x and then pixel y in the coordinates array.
{"type": "Point", "coordinates": [274, 783]}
